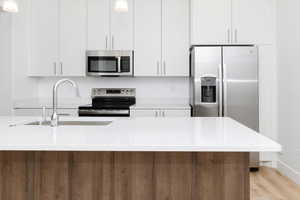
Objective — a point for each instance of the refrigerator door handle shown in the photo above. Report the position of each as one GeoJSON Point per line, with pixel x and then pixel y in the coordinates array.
{"type": "Point", "coordinates": [225, 95]}
{"type": "Point", "coordinates": [220, 91]}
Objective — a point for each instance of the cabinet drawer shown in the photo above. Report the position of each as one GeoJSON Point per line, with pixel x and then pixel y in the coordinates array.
{"type": "Point", "coordinates": [160, 113]}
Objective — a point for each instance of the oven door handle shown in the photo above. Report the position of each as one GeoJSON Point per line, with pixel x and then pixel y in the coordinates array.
{"type": "Point", "coordinates": [119, 64]}
{"type": "Point", "coordinates": [104, 112]}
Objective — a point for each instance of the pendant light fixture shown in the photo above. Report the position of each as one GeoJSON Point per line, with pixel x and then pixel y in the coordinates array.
{"type": "Point", "coordinates": [10, 6]}
{"type": "Point", "coordinates": [121, 5]}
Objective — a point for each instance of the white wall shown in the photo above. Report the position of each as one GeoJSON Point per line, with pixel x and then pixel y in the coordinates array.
{"type": "Point", "coordinates": [268, 98]}
{"type": "Point", "coordinates": [23, 87]}
{"type": "Point", "coordinates": [5, 64]}
{"type": "Point", "coordinates": [289, 87]}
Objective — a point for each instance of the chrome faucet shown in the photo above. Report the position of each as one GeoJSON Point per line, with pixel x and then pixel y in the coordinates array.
{"type": "Point", "coordinates": [55, 116]}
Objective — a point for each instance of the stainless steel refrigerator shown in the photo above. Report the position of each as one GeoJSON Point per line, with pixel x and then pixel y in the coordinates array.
{"type": "Point", "coordinates": [224, 82]}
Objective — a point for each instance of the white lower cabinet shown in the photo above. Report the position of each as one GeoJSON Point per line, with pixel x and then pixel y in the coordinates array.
{"type": "Point", "coordinates": [177, 113]}
{"type": "Point", "coordinates": [160, 113]}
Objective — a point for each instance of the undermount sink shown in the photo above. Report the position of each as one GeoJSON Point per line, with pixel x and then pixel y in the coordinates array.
{"type": "Point", "coordinates": [71, 123]}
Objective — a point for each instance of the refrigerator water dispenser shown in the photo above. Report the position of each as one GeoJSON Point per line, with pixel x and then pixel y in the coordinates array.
{"type": "Point", "coordinates": [208, 89]}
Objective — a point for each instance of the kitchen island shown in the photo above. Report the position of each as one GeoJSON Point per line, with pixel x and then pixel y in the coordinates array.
{"type": "Point", "coordinates": [142, 158]}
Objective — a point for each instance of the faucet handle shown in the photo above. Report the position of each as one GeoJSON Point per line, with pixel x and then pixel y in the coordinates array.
{"type": "Point", "coordinates": [44, 114]}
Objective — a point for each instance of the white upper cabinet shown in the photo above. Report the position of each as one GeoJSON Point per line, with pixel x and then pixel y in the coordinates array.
{"type": "Point", "coordinates": [210, 21]}
{"type": "Point", "coordinates": [58, 37]}
{"type": "Point", "coordinates": [254, 21]}
{"type": "Point", "coordinates": [98, 24]}
{"type": "Point", "coordinates": [175, 37]}
{"type": "Point", "coordinates": [44, 38]}
{"type": "Point", "coordinates": [147, 38]}
{"type": "Point", "coordinates": [233, 21]}
{"type": "Point", "coordinates": [122, 27]}
{"type": "Point", "coordinates": [72, 37]}
{"type": "Point", "coordinates": [161, 38]}
{"type": "Point", "coordinates": [108, 28]}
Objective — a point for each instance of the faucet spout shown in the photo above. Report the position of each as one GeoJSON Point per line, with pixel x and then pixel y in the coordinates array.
{"type": "Point", "coordinates": [55, 116]}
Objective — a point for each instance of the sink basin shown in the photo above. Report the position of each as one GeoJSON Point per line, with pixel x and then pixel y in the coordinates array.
{"type": "Point", "coordinates": [71, 123]}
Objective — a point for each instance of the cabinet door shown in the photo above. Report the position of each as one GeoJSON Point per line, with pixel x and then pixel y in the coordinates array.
{"type": "Point", "coordinates": [210, 21]}
{"type": "Point", "coordinates": [44, 38]}
{"type": "Point", "coordinates": [122, 27]}
{"type": "Point", "coordinates": [177, 113]}
{"type": "Point", "coordinates": [143, 113]}
{"type": "Point", "coordinates": [175, 40]}
{"type": "Point", "coordinates": [98, 24]}
{"type": "Point", "coordinates": [72, 37]}
{"type": "Point", "coordinates": [147, 38]}
{"type": "Point", "coordinates": [254, 21]}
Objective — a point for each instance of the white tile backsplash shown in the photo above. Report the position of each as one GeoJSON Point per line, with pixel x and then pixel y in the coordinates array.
{"type": "Point", "coordinates": [155, 88]}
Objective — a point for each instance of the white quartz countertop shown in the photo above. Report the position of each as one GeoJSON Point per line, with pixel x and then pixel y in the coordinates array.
{"type": "Point", "coordinates": [138, 134]}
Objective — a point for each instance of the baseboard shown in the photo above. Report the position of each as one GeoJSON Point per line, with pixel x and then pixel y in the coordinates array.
{"type": "Point", "coordinates": [288, 171]}
{"type": "Point", "coordinates": [268, 159]}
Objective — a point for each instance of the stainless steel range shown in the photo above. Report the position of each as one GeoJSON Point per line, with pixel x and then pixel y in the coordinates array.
{"type": "Point", "coordinates": [109, 102]}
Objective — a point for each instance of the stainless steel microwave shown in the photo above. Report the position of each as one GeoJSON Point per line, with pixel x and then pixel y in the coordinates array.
{"type": "Point", "coordinates": [109, 63]}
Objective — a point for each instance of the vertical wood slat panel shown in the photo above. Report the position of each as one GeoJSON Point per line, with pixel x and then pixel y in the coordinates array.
{"type": "Point", "coordinates": [1, 175]}
{"type": "Point", "coordinates": [13, 175]}
{"type": "Point", "coordinates": [143, 177]}
{"type": "Point", "coordinates": [236, 168]}
{"type": "Point", "coordinates": [181, 168]}
{"type": "Point", "coordinates": [123, 176]}
{"type": "Point", "coordinates": [208, 174]}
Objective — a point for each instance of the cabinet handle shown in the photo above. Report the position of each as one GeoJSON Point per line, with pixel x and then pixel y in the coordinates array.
{"type": "Point", "coordinates": [165, 68]}
{"type": "Point", "coordinates": [106, 42]}
{"type": "Point", "coordinates": [228, 36]}
{"type": "Point", "coordinates": [113, 42]}
{"type": "Point", "coordinates": [220, 91]}
{"type": "Point", "coordinates": [44, 114]}
{"type": "Point", "coordinates": [157, 70]}
{"type": "Point", "coordinates": [54, 68]}
{"type": "Point", "coordinates": [235, 36]}
{"type": "Point", "coordinates": [61, 68]}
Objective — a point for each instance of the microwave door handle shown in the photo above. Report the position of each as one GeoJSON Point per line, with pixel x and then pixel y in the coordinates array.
{"type": "Point", "coordinates": [119, 64]}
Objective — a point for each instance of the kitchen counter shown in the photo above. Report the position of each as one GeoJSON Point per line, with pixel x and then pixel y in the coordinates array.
{"type": "Point", "coordinates": [141, 158]}
{"type": "Point", "coordinates": [138, 134]}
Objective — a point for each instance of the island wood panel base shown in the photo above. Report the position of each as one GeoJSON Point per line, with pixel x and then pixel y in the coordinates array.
{"type": "Point", "coordinates": [123, 176]}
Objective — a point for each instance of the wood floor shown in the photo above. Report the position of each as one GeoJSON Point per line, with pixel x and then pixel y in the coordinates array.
{"type": "Point", "coordinates": [269, 184]}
